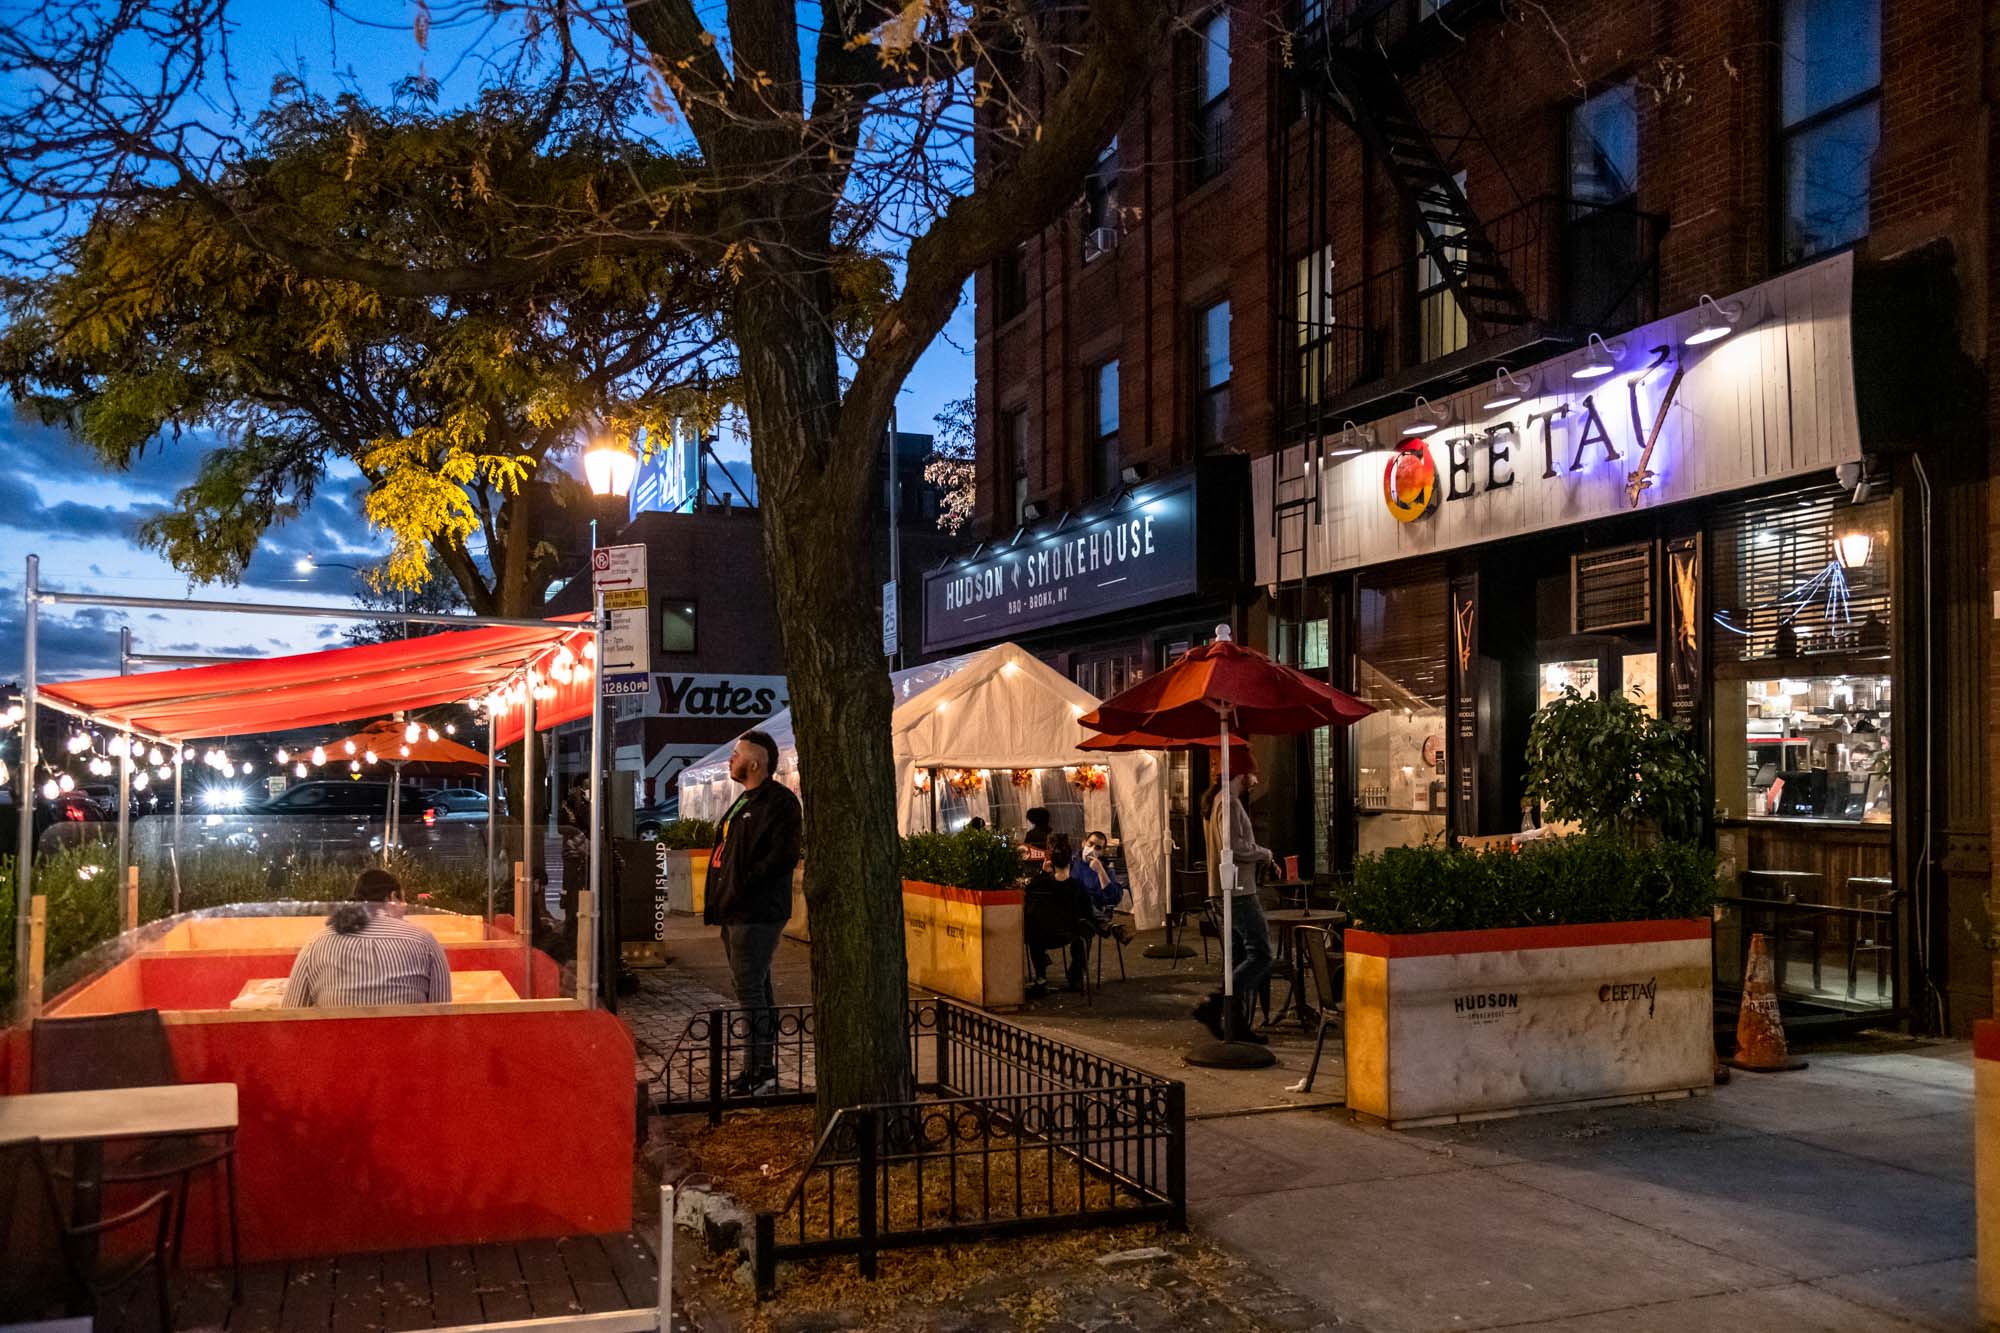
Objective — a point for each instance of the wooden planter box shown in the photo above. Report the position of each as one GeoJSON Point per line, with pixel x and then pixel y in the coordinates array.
{"type": "Point", "coordinates": [1470, 1025]}
{"type": "Point", "coordinates": [965, 943]}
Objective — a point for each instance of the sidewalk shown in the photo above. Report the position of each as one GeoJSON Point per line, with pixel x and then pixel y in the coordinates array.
{"type": "Point", "coordinates": [1838, 1197]}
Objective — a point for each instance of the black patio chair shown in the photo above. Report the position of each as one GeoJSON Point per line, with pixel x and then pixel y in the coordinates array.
{"type": "Point", "coordinates": [1326, 984]}
{"type": "Point", "coordinates": [48, 1263]}
{"type": "Point", "coordinates": [130, 1050]}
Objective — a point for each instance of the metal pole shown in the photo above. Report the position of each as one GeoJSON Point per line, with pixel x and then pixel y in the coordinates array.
{"type": "Point", "coordinates": [284, 609]}
{"type": "Point", "coordinates": [595, 925]}
{"type": "Point", "coordinates": [24, 787]}
{"type": "Point", "coordinates": [124, 778]}
{"type": "Point", "coordinates": [1226, 876]}
{"type": "Point", "coordinates": [176, 856]}
{"type": "Point", "coordinates": [492, 812]}
{"type": "Point", "coordinates": [666, 1259]}
{"type": "Point", "coordinates": [527, 928]}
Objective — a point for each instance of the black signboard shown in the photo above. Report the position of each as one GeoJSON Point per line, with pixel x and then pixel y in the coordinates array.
{"type": "Point", "coordinates": [1139, 551]}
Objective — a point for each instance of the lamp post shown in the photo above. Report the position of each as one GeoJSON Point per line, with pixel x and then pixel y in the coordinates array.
{"type": "Point", "coordinates": [608, 468]}
{"type": "Point", "coordinates": [306, 564]}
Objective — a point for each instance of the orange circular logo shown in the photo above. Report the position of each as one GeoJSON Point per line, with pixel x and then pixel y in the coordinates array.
{"type": "Point", "coordinates": [1409, 482]}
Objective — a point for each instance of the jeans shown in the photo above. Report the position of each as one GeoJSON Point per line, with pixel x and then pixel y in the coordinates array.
{"type": "Point", "coordinates": [1251, 934]}
{"type": "Point", "coordinates": [750, 950]}
{"type": "Point", "coordinates": [1079, 954]}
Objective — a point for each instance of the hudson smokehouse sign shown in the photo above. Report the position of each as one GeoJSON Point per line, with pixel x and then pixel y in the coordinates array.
{"type": "Point", "coordinates": [1140, 550]}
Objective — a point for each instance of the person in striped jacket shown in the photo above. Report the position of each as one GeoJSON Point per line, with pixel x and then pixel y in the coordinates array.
{"type": "Point", "coordinates": [369, 955]}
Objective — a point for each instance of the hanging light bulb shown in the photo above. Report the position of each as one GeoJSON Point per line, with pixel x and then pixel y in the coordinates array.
{"type": "Point", "coordinates": [318, 755]}
{"type": "Point", "coordinates": [51, 789]}
{"type": "Point", "coordinates": [187, 753]}
{"type": "Point", "coordinates": [369, 756]}
{"type": "Point", "coordinates": [590, 650]}
{"type": "Point", "coordinates": [78, 742]}
{"type": "Point", "coordinates": [348, 746]}
{"type": "Point", "coordinates": [354, 765]}
{"type": "Point", "coordinates": [298, 770]}
{"type": "Point", "coordinates": [15, 712]}
{"type": "Point", "coordinates": [411, 732]}
{"type": "Point", "coordinates": [404, 750]}
{"type": "Point", "coordinates": [284, 756]}
{"type": "Point", "coordinates": [164, 772]}
{"type": "Point", "coordinates": [141, 780]}
{"type": "Point", "coordinates": [245, 767]}
{"type": "Point", "coordinates": [3, 772]}
{"type": "Point", "coordinates": [450, 729]}
{"type": "Point", "coordinates": [156, 756]}
{"type": "Point", "coordinates": [65, 783]}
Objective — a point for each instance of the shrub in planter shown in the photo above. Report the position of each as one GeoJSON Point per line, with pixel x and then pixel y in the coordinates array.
{"type": "Point", "coordinates": [969, 859]}
{"type": "Point", "coordinates": [1610, 767]}
{"type": "Point", "coordinates": [688, 835]}
{"type": "Point", "coordinates": [1577, 880]}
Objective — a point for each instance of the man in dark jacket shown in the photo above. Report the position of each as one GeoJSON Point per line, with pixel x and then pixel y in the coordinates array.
{"type": "Point", "coordinates": [750, 895]}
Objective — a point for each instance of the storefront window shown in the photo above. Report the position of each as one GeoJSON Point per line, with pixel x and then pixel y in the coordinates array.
{"type": "Point", "coordinates": [1398, 751]}
{"type": "Point", "coordinates": [1812, 747]}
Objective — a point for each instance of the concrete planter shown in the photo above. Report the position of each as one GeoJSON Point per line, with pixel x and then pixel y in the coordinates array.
{"type": "Point", "coordinates": [1470, 1025]}
{"type": "Point", "coordinates": [687, 881]}
{"type": "Point", "coordinates": [965, 943]}
{"type": "Point", "coordinates": [1986, 1163]}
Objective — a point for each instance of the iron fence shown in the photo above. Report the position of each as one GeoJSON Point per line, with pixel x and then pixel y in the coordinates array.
{"type": "Point", "coordinates": [1021, 1133]}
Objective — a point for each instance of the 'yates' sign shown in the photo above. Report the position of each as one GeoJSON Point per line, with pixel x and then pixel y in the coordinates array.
{"type": "Point", "coordinates": [1141, 551]}
{"type": "Point", "coordinates": [722, 696]}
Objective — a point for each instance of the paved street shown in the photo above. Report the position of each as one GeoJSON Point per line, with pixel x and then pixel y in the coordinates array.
{"type": "Point", "coordinates": [1838, 1197]}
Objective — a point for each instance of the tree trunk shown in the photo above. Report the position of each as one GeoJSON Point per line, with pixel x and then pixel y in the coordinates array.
{"type": "Point", "coordinates": [817, 521]}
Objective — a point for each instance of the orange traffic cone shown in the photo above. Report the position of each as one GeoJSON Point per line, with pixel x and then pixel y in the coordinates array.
{"type": "Point", "coordinates": [1760, 1032]}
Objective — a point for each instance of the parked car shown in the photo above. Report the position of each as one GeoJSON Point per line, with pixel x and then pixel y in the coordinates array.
{"type": "Point", "coordinates": [648, 819]}
{"type": "Point", "coordinates": [71, 811]}
{"type": "Point", "coordinates": [458, 800]}
{"type": "Point", "coordinates": [328, 817]}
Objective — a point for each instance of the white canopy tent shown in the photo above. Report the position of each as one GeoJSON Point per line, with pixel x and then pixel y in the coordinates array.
{"type": "Point", "coordinates": [998, 709]}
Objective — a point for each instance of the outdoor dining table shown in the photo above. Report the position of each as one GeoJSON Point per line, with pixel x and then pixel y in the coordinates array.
{"type": "Point", "coordinates": [86, 1121]}
{"type": "Point", "coordinates": [468, 987]}
{"type": "Point", "coordinates": [1285, 924]}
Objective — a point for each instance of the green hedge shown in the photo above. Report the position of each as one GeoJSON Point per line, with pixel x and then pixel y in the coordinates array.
{"type": "Point", "coordinates": [688, 835]}
{"type": "Point", "coordinates": [1552, 882]}
{"type": "Point", "coordinates": [79, 883]}
{"type": "Point", "coordinates": [968, 859]}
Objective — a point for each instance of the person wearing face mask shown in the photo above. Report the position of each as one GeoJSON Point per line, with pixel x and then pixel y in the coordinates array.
{"type": "Point", "coordinates": [1092, 869]}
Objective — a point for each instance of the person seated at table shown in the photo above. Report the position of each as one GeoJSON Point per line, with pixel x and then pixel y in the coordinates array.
{"type": "Point", "coordinates": [369, 955]}
{"type": "Point", "coordinates": [1057, 915]}
{"type": "Point", "coordinates": [1100, 884]}
{"type": "Point", "coordinates": [1035, 842]}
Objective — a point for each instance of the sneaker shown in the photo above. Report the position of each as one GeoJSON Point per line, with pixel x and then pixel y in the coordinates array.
{"type": "Point", "coordinates": [758, 1084]}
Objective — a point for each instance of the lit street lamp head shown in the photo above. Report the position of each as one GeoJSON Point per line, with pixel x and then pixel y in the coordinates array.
{"type": "Point", "coordinates": [609, 470]}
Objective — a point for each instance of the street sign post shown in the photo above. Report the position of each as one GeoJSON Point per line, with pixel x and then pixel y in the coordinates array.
{"type": "Point", "coordinates": [890, 629]}
{"type": "Point", "coordinates": [618, 575]}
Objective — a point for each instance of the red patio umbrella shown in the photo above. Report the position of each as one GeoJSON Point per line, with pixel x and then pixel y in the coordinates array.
{"type": "Point", "coordinates": [1208, 691]}
{"type": "Point", "coordinates": [1129, 741]}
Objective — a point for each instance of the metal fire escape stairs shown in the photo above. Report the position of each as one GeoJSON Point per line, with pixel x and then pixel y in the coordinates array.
{"type": "Point", "coordinates": [1348, 68]}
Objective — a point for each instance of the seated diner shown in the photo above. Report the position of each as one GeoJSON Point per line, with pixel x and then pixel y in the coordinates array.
{"type": "Point", "coordinates": [369, 955]}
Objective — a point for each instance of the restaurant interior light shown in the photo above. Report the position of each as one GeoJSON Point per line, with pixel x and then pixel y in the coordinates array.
{"type": "Point", "coordinates": [1428, 419]}
{"type": "Point", "coordinates": [1508, 389]}
{"type": "Point", "coordinates": [1854, 548]}
{"type": "Point", "coordinates": [609, 470]}
{"type": "Point", "coordinates": [1600, 358]}
{"type": "Point", "coordinates": [1717, 321]}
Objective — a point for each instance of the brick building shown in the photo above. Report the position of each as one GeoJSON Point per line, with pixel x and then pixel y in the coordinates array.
{"type": "Point", "coordinates": [1444, 273]}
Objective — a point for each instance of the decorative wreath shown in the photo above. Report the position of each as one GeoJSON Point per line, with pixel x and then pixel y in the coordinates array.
{"type": "Point", "coordinates": [1088, 777]}
{"type": "Point", "coordinates": [1021, 777]}
{"type": "Point", "coordinates": [964, 781]}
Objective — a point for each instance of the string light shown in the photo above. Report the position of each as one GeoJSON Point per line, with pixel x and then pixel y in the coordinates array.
{"type": "Point", "coordinates": [66, 783]}
{"type": "Point", "coordinates": [50, 790]}
{"type": "Point", "coordinates": [348, 746]}
{"type": "Point", "coordinates": [318, 756]}
{"type": "Point", "coordinates": [3, 772]}
{"type": "Point", "coordinates": [450, 729]}
{"type": "Point", "coordinates": [141, 779]}
{"type": "Point", "coordinates": [299, 770]}
{"type": "Point", "coordinates": [156, 756]}
{"type": "Point", "coordinates": [411, 732]}
{"type": "Point", "coordinates": [78, 742]}
{"type": "Point", "coordinates": [432, 734]}
{"type": "Point", "coordinates": [284, 756]}
{"type": "Point", "coordinates": [369, 756]}
{"type": "Point", "coordinates": [354, 765]}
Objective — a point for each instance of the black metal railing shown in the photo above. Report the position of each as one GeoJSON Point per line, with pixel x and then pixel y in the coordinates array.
{"type": "Point", "coordinates": [1578, 265]}
{"type": "Point", "coordinates": [1014, 1132]}
{"type": "Point", "coordinates": [698, 1073]}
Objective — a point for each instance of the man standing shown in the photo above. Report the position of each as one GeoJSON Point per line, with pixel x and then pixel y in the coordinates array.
{"type": "Point", "coordinates": [750, 896]}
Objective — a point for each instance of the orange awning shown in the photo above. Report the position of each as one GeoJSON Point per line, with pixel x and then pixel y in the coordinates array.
{"type": "Point", "coordinates": [316, 689]}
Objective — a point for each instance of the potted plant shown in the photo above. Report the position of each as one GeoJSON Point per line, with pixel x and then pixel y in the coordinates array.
{"type": "Point", "coordinates": [1556, 971]}
{"type": "Point", "coordinates": [962, 916]}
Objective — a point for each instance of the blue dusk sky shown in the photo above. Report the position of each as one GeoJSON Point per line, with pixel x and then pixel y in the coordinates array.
{"type": "Point", "coordinates": [58, 502]}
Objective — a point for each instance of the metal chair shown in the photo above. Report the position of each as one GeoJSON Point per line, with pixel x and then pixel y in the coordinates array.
{"type": "Point", "coordinates": [130, 1050]}
{"type": "Point", "coordinates": [48, 1263]}
{"type": "Point", "coordinates": [1315, 941]}
{"type": "Point", "coordinates": [1190, 893]}
{"type": "Point", "coordinates": [1780, 887]}
{"type": "Point", "coordinates": [1875, 894]}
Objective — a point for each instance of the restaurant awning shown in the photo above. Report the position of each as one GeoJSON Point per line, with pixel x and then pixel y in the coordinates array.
{"type": "Point", "coordinates": [315, 689]}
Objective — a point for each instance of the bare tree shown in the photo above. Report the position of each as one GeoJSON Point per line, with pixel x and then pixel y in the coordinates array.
{"type": "Point", "coordinates": [847, 177]}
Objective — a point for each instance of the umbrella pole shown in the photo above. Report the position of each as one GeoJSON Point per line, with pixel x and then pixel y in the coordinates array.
{"type": "Point", "coordinates": [492, 810]}
{"type": "Point", "coordinates": [1230, 1052]}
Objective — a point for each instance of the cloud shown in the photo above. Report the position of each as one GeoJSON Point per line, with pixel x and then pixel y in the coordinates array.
{"type": "Point", "coordinates": [68, 644]}
{"type": "Point", "coordinates": [22, 509]}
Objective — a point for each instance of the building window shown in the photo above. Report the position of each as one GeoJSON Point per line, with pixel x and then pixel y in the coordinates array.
{"type": "Point", "coordinates": [1830, 121]}
{"type": "Point", "coordinates": [1208, 129]}
{"type": "Point", "coordinates": [1010, 283]}
{"type": "Point", "coordinates": [1104, 463]}
{"type": "Point", "coordinates": [1401, 639]}
{"type": "Point", "coordinates": [1210, 342]}
{"type": "Point", "coordinates": [1014, 461]}
{"type": "Point", "coordinates": [1100, 205]}
{"type": "Point", "coordinates": [677, 627]}
{"type": "Point", "coordinates": [1602, 238]}
{"type": "Point", "coordinates": [1441, 327]}
{"type": "Point", "coordinates": [1312, 319]}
